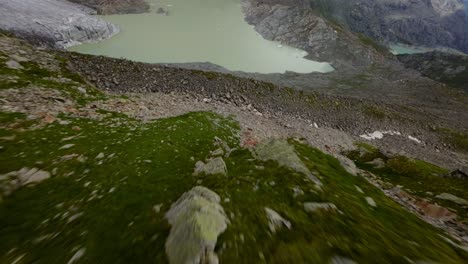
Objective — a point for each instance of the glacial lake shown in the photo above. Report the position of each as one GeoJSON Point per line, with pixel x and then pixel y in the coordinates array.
{"type": "Point", "coordinates": [199, 31]}
{"type": "Point", "coordinates": [397, 49]}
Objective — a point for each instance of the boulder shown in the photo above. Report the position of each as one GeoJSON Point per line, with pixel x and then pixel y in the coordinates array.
{"type": "Point", "coordinates": [196, 219]}
{"type": "Point", "coordinates": [312, 207]}
{"type": "Point", "coordinates": [348, 165]}
{"type": "Point", "coordinates": [14, 180]}
{"type": "Point", "coordinates": [275, 220]}
{"type": "Point", "coordinates": [435, 211]}
{"type": "Point", "coordinates": [13, 65]}
{"type": "Point", "coordinates": [452, 198]}
{"type": "Point", "coordinates": [212, 166]}
{"type": "Point", "coordinates": [461, 173]}
{"type": "Point", "coordinates": [286, 156]}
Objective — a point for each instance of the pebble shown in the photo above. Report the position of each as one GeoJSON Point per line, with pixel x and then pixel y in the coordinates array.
{"type": "Point", "coordinates": [67, 146]}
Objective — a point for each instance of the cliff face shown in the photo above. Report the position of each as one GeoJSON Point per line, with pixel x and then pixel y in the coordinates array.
{"type": "Point", "coordinates": [53, 23]}
{"type": "Point", "coordinates": [107, 7]}
{"type": "Point", "coordinates": [431, 23]}
{"type": "Point", "coordinates": [293, 23]}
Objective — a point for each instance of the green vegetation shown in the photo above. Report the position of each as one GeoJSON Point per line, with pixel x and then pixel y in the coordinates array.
{"type": "Point", "coordinates": [112, 197]}
{"type": "Point", "coordinates": [35, 74]}
{"type": "Point", "coordinates": [209, 75]}
{"type": "Point", "coordinates": [420, 178]}
{"type": "Point", "coordinates": [456, 139]}
{"type": "Point", "coordinates": [356, 81]}
{"type": "Point", "coordinates": [374, 112]}
{"type": "Point", "coordinates": [113, 180]}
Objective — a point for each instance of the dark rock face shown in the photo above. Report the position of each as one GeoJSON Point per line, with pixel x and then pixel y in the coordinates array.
{"type": "Point", "coordinates": [461, 173]}
{"type": "Point", "coordinates": [430, 23]}
{"type": "Point", "coordinates": [53, 23]}
{"type": "Point", "coordinates": [107, 7]}
{"type": "Point", "coordinates": [451, 69]}
{"type": "Point", "coordinates": [293, 23]}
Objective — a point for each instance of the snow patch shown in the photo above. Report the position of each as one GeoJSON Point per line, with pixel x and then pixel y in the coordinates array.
{"type": "Point", "coordinates": [379, 134]}
{"type": "Point", "coordinates": [414, 139]}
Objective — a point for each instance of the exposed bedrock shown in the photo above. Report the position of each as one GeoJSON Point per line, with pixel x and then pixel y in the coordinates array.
{"type": "Point", "coordinates": [293, 23]}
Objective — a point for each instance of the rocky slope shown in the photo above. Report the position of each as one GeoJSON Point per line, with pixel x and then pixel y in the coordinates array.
{"type": "Point", "coordinates": [435, 23]}
{"type": "Point", "coordinates": [53, 23]}
{"type": "Point", "coordinates": [190, 169]}
{"type": "Point", "coordinates": [293, 23]}
{"type": "Point", "coordinates": [107, 7]}
{"type": "Point", "coordinates": [450, 69]}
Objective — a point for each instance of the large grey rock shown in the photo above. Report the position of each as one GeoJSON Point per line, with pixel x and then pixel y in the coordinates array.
{"type": "Point", "coordinates": [275, 220]}
{"type": "Point", "coordinates": [12, 181]}
{"type": "Point", "coordinates": [286, 156]}
{"type": "Point", "coordinates": [348, 165]}
{"type": "Point", "coordinates": [53, 23]}
{"type": "Point", "coordinates": [13, 65]}
{"type": "Point", "coordinates": [211, 167]}
{"type": "Point", "coordinates": [452, 198]}
{"type": "Point", "coordinates": [312, 207]}
{"type": "Point", "coordinates": [461, 173]}
{"type": "Point", "coordinates": [196, 219]}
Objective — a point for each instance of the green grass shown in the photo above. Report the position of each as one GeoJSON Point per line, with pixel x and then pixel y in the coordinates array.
{"type": "Point", "coordinates": [121, 227]}
{"type": "Point", "coordinates": [146, 164]}
{"type": "Point", "coordinates": [34, 74]}
{"type": "Point", "coordinates": [456, 139]}
{"type": "Point", "coordinates": [374, 112]}
{"type": "Point", "coordinates": [416, 176]}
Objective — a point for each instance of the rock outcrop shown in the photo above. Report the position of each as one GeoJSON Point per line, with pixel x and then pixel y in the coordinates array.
{"type": "Point", "coordinates": [16, 179]}
{"type": "Point", "coordinates": [285, 154]}
{"type": "Point", "coordinates": [107, 7]}
{"type": "Point", "coordinates": [53, 23]}
{"type": "Point", "coordinates": [448, 68]}
{"type": "Point", "coordinates": [294, 24]}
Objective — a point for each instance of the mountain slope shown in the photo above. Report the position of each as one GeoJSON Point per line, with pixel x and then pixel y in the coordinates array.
{"type": "Point", "coordinates": [435, 23]}
{"type": "Point", "coordinates": [87, 175]}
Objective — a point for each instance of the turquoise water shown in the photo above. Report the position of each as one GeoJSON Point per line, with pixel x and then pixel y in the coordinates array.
{"type": "Point", "coordinates": [402, 49]}
{"type": "Point", "coordinates": [200, 31]}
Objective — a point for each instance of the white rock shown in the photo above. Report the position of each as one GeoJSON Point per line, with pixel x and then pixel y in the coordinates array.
{"type": "Point", "coordinates": [312, 207]}
{"type": "Point", "coordinates": [359, 189]}
{"type": "Point", "coordinates": [78, 254]}
{"type": "Point", "coordinates": [276, 221]}
{"type": "Point", "coordinates": [67, 146]}
{"type": "Point", "coordinates": [371, 202]}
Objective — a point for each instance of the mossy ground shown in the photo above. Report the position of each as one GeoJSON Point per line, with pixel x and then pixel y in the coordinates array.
{"type": "Point", "coordinates": [456, 139]}
{"type": "Point", "coordinates": [420, 178]}
{"type": "Point", "coordinates": [149, 164]}
{"type": "Point", "coordinates": [104, 203]}
{"type": "Point", "coordinates": [62, 79]}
